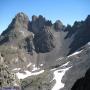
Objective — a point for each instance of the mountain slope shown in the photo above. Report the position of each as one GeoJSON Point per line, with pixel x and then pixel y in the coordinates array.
{"type": "Point", "coordinates": [46, 56]}
{"type": "Point", "coordinates": [80, 32]}
{"type": "Point", "coordinates": [62, 76]}
{"type": "Point", "coordinates": [20, 45]}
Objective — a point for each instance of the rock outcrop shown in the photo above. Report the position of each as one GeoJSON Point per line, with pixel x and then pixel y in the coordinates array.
{"type": "Point", "coordinates": [7, 77]}
{"type": "Point", "coordinates": [37, 23]}
{"type": "Point", "coordinates": [80, 32]}
{"type": "Point", "coordinates": [59, 26]}
{"type": "Point", "coordinates": [44, 40]}
{"type": "Point", "coordinates": [18, 29]}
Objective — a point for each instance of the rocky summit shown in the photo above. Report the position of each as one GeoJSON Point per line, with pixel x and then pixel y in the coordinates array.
{"type": "Point", "coordinates": [40, 55]}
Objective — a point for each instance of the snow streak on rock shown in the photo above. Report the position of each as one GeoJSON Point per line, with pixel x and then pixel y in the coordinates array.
{"type": "Point", "coordinates": [75, 53]}
{"type": "Point", "coordinates": [58, 75]}
{"type": "Point", "coordinates": [27, 73]}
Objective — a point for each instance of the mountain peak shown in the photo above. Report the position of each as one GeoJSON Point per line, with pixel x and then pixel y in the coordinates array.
{"type": "Point", "coordinates": [18, 28]}
{"type": "Point", "coordinates": [21, 15]}
{"type": "Point", "coordinates": [21, 19]}
{"type": "Point", "coordinates": [88, 17]}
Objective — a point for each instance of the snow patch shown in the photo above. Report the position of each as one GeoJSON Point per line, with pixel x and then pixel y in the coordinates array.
{"type": "Point", "coordinates": [41, 65]}
{"type": "Point", "coordinates": [16, 69]}
{"type": "Point", "coordinates": [27, 73]}
{"type": "Point", "coordinates": [1, 59]}
{"type": "Point", "coordinates": [15, 84]}
{"type": "Point", "coordinates": [58, 74]}
{"type": "Point", "coordinates": [35, 68]}
{"type": "Point", "coordinates": [29, 65]}
{"type": "Point", "coordinates": [88, 43]}
{"type": "Point", "coordinates": [65, 64]}
{"type": "Point", "coordinates": [59, 58]}
{"type": "Point", "coordinates": [53, 69]}
{"type": "Point", "coordinates": [75, 53]}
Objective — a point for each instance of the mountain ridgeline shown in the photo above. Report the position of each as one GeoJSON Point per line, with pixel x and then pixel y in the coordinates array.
{"type": "Point", "coordinates": [39, 36]}
{"type": "Point", "coordinates": [29, 46]}
{"type": "Point", "coordinates": [81, 32]}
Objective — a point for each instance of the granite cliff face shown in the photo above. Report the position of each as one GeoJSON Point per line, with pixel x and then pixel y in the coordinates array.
{"type": "Point", "coordinates": [81, 32]}
{"type": "Point", "coordinates": [31, 41]}
{"type": "Point", "coordinates": [46, 55]}
{"type": "Point", "coordinates": [58, 25]}
{"type": "Point", "coordinates": [44, 40]}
